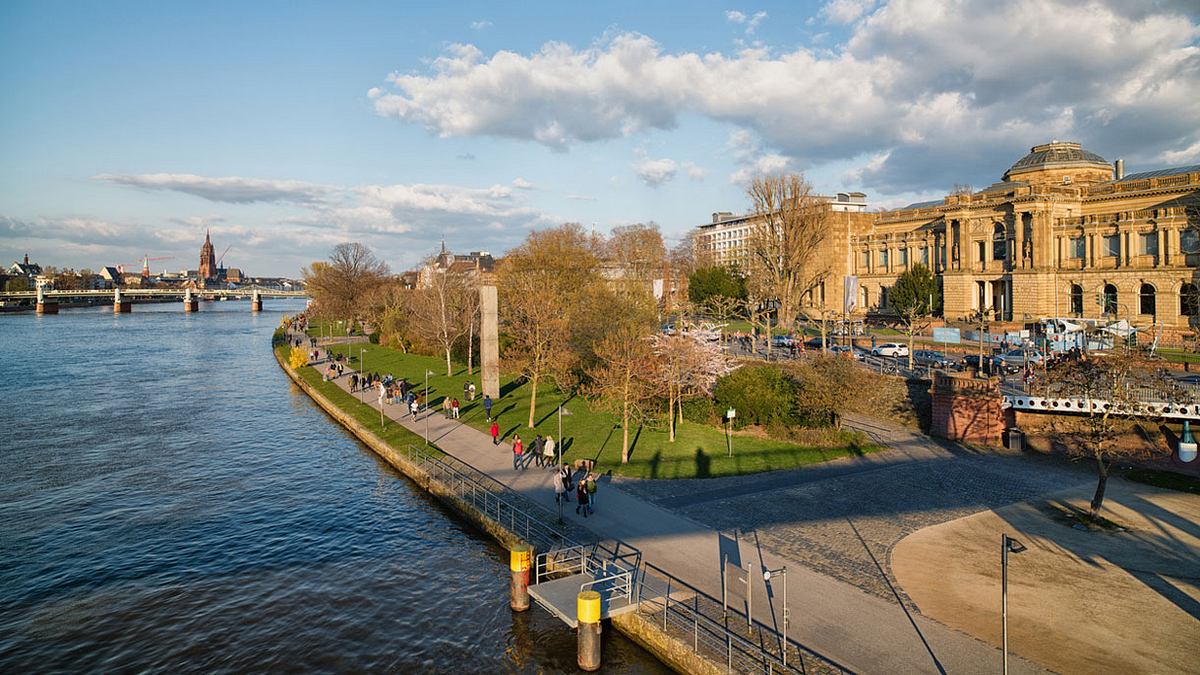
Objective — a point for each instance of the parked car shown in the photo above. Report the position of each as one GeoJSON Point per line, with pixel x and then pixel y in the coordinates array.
{"type": "Point", "coordinates": [852, 352]}
{"type": "Point", "coordinates": [783, 341]}
{"type": "Point", "coordinates": [932, 358]}
{"type": "Point", "coordinates": [815, 343]}
{"type": "Point", "coordinates": [992, 365]}
{"type": "Point", "coordinates": [1017, 358]}
{"type": "Point", "coordinates": [893, 349]}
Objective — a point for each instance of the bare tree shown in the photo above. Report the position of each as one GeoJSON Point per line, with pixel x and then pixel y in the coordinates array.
{"type": "Point", "coordinates": [784, 246]}
{"type": "Point", "coordinates": [620, 381]}
{"type": "Point", "coordinates": [685, 367]}
{"type": "Point", "coordinates": [338, 286]}
{"type": "Point", "coordinates": [439, 309]}
{"type": "Point", "coordinates": [388, 309]}
{"type": "Point", "coordinates": [1109, 389]}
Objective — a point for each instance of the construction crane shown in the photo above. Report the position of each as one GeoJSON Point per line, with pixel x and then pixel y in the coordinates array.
{"type": "Point", "coordinates": [146, 260]}
{"type": "Point", "coordinates": [222, 258]}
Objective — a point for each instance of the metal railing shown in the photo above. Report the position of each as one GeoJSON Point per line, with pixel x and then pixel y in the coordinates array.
{"type": "Point", "coordinates": [533, 523]}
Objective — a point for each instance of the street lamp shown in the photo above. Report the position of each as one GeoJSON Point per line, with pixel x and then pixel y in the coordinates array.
{"type": "Point", "coordinates": [561, 411]}
{"type": "Point", "coordinates": [428, 372]}
{"type": "Point", "coordinates": [1007, 545]}
{"type": "Point", "coordinates": [729, 415]}
{"type": "Point", "coordinates": [781, 572]}
{"type": "Point", "coordinates": [361, 372]}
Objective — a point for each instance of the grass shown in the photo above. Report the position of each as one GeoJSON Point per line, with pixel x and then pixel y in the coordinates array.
{"type": "Point", "coordinates": [1165, 479]}
{"type": "Point", "coordinates": [326, 328]}
{"type": "Point", "coordinates": [699, 451]}
{"type": "Point", "coordinates": [1178, 356]}
{"type": "Point", "coordinates": [394, 434]}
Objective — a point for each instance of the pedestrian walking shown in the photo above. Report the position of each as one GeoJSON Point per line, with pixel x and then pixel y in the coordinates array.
{"type": "Point", "coordinates": [471, 393]}
{"type": "Point", "coordinates": [581, 498]}
{"type": "Point", "coordinates": [487, 406]}
{"type": "Point", "coordinates": [466, 388]}
{"type": "Point", "coordinates": [560, 491]}
{"type": "Point", "coordinates": [591, 491]}
{"type": "Point", "coordinates": [495, 433]}
{"type": "Point", "coordinates": [454, 407]}
{"type": "Point", "coordinates": [413, 407]}
{"type": "Point", "coordinates": [536, 449]}
{"type": "Point", "coordinates": [565, 474]}
{"type": "Point", "coordinates": [548, 452]}
{"type": "Point", "coordinates": [353, 383]}
{"type": "Point", "coordinates": [446, 407]}
{"type": "Point", "coordinates": [518, 451]}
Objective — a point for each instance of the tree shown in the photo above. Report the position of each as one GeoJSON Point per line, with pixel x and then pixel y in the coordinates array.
{"type": "Point", "coordinates": [913, 297]}
{"type": "Point", "coordinates": [685, 366]}
{"type": "Point", "coordinates": [439, 309]}
{"type": "Point", "coordinates": [1107, 388]}
{"type": "Point", "coordinates": [784, 246]}
{"type": "Point", "coordinates": [339, 286]}
{"type": "Point", "coordinates": [716, 281]}
{"type": "Point", "coordinates": [619, 382]}
{"type": "Point", "coordinates": [16, 284]}
{"type": "Point", "coordinates": [541, 283]}
{"type": "Point", "coordinates": [387, 307]}
{"type": "Point", "coordinates": [637, 249]}
{"type": "Point", "coordinates": [298, 358]}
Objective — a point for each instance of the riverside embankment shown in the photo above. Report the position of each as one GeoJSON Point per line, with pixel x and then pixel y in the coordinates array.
{"type": "Point", "coordinates": [171, 503]}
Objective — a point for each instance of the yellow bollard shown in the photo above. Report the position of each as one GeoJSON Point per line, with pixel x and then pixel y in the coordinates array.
{"type": "Point", "coordinates": [519, 562]}
{"type": "Point", "coordinates": [587, 611]}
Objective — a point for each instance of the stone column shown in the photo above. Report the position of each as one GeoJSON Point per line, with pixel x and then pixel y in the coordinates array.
{"type": "Point", "coordinates": [1160, 259]}
{"type": "Point", "coordinates": [1019, 237]}
{"type": "Point", "coordinates": [489, 341]}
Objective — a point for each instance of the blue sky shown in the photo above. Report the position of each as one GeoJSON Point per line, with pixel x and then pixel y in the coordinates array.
{"type": "Point", "coordinates": [129, 128]}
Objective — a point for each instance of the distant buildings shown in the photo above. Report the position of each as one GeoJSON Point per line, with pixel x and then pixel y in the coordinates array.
{"type": "Point", "coordinates": [473, 264]}
{"type": "Point", "coordinates": [208, 262]}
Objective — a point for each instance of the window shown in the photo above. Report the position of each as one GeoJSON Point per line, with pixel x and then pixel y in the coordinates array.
{"type": "Point", "coordinates": [1146, 299]}
{"type": "Point", "coordinates": [866, 299]}
{"type": "Point", "coordinates": [904, 257]}
{"type": "Point", "coordinates": [1189, 300]}
{"type": "Point", "coordinates": [1110, 299]}
{"type": "Point", "coordinates": [1078, 248]}
{"type": "Point", "coordinates": [1076, 300]}
{"type": "Point", "coordinates": [925, 255]}
{"type": "Point", "coordinates": [883, 259]}
{"type": "Point", "coordinates": [1150, 243]}
{"type": "Point", "coordinates": [866, 260]}
{"type": "Point", "coordinates": [982, 252]}
{"type": "Point", "coordinates": [1112, 245]}
{"type": "Point", "coordinates": [884, 297]}
{"type": "Point", "coordinates": [999, 243]}
{"type": "Point", "coordinates": [1189, 241]}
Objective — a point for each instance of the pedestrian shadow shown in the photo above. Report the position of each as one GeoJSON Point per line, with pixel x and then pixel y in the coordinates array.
{"type": "Point", "coordinates": [703, 464]}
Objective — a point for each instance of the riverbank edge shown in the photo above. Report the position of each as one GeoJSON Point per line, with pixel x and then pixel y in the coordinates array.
{"type": "Point", "coordinates": [671, 651]}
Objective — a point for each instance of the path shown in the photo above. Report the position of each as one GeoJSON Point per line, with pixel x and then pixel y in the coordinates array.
{"type": "Point", "coordinates": [863, 632]}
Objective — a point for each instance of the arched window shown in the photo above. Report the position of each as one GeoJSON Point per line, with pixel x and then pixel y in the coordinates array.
{"type": "Point", "coordinates": [1189, 300]}
{"type": "Point", "coordinates": [1110, 299]}
{"type": "Point", "coordinates": [866, 299]}
{"type": "Point", "coordinates": [999, 242]}
{"type": "Point", "coordinates": [1146, 299]}
{"type": "Point", "coordinates": [1076, 300]}
{"type": "Point", "coordinates": [884, 297]}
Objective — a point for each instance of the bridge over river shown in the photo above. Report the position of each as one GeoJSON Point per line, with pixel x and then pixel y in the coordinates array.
{"type": "Point", "coordinates": [47, 301]}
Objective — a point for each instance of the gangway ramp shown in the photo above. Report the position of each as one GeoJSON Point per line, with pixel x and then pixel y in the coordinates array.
{"type": "Point", "coordinates": [562, 574]}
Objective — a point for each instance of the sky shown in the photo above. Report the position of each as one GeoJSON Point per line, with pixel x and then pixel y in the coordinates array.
{"type": "Point", "coordinates": [128, 129]}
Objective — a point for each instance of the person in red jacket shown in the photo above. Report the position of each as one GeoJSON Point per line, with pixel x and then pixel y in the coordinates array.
{"type": "Point", "coordinates": [495, 433]}
{"type": "Point", "coordinates": [518, 450]}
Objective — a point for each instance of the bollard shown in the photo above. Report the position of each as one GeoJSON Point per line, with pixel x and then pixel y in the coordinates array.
{"type": "Point", "coordinates": [587, 610]}
{"type": "Point", "coordinates": [519, 559]}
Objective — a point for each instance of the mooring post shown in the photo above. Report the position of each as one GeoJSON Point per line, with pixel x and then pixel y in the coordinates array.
{"type": "Point", "coordinates": [587, 611]}
{"type": "Point", "coordinates": [519, 559]}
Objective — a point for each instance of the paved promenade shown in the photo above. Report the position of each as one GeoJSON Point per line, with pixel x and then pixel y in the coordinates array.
{"type": "Point", "coordinates": [862, 632]}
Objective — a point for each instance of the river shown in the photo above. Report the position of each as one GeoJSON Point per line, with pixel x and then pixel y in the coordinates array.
{"type": "Point", "coordinates": [169, 501]}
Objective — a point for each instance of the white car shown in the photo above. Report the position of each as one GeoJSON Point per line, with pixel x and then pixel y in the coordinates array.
{"type": "Point", "coordinates": [893, 349]}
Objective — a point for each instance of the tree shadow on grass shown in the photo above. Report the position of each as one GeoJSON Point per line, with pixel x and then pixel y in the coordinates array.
{"type": "Point", "coordinates": [703, 464]}
{"type": "Point", "coordinates": [555, 410]}
{"type": "Point", "coordinates": [513, 385]}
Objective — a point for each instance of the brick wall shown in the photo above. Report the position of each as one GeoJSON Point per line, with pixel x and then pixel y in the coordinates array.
{"type": "Point", "coordinates": [966, 409]}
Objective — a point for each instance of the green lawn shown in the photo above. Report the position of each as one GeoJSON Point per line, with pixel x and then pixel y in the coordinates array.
{"type": "Point", "coordinates": [699, 451]}
{"type": "Point", "coordinates": [393, 434]}
{"type": "Point", "coordinates": [326, 328]}
{"type": "Point", "coordinates": [1165, 479]}
{"type": "Point", "coordinates": [1178, 356]}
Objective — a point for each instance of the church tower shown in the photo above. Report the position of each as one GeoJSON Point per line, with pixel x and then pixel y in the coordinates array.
{"type": "Point", "coordinates": [208, 260]}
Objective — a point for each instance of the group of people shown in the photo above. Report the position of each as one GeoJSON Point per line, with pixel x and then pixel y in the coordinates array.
{"type": "Point", "coordinates": [585, 490]}
{"type": "Point", "coordinates": [542, 449]}
{"type": "Point", "coordinates": [450, 408]}
{"type": "Point", "coordinates": [469, 390]}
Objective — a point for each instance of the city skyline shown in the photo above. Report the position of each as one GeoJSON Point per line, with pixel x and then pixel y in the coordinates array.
{"type": "Point", "coordinates": [288, 129]}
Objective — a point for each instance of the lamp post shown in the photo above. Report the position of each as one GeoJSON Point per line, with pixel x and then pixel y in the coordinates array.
{"type": "Point", "coordinates": [1007, 545]}
{"type": "Point", "coordinates": [767, 576]}
{"type": "Point", "coordinates": [361, 371]}
{"type": "Point", "coordinates": [729, 415]}
{"type": "Point", "coordinates": [561, 411]}
{"type": "Point", "coordinates": [427, 374]}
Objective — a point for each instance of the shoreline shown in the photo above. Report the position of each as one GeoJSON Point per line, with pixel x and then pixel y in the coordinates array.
{"type": "Point", "coordinates": [670, 651]}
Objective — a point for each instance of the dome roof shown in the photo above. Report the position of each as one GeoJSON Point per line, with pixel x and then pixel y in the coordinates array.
{"type": "Point", "coordinates": [1056, 154]}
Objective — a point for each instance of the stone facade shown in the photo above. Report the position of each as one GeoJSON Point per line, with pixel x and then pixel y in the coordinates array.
{"type": "Point", "coordinates": [208, 261]}
{"type": "Point", "coordinates": [1063, 234]}
{"type": "Point", "coordinates": [966, 409]}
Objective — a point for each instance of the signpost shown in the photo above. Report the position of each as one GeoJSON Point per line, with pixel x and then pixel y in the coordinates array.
{"type": "Point", "coordinates": [729, 415]}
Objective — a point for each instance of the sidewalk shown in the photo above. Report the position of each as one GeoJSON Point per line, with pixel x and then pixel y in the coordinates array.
{"type": "Point", "coordinates": [860, 631]}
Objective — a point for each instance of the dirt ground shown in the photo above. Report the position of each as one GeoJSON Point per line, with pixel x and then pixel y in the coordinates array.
{"type": "Point", "coordinates": [1079, 601]}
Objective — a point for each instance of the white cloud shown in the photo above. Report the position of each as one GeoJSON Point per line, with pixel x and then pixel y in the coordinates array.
{"type": "Point", "coordinates": [752, 160]}
{"type": "Point", "coordinates": [581, 198]}
{"type": "Point", "coordinates": [750, 22]}
{"type": "Point", "coordinates": [231, 189]}
{"type": "Point", "coordinates": [481, 24]}
{"type": "Point", "coordinates": [655, 172]}
{"type": "Point", "coordinates": [695, 171]}
{"type": "Point", "coordinates": [846, 11]}
{"type": "Point", "coordinates": [522, 184]}
{"type": "Point", "coordinates": [1184, 156]}
{"type": "Point", "coordinates": [919, 80]}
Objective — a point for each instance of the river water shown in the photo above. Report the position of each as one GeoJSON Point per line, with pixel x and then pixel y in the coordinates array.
{"type": "Point", "coordinates": [169, 501]}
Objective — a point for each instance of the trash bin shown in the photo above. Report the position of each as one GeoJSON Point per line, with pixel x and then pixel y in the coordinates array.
{"type": "Point", "coordinates": [1016, 439]}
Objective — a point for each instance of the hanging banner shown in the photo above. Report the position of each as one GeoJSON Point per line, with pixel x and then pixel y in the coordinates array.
{"type": "Point", "coordinates": [850, 294]}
